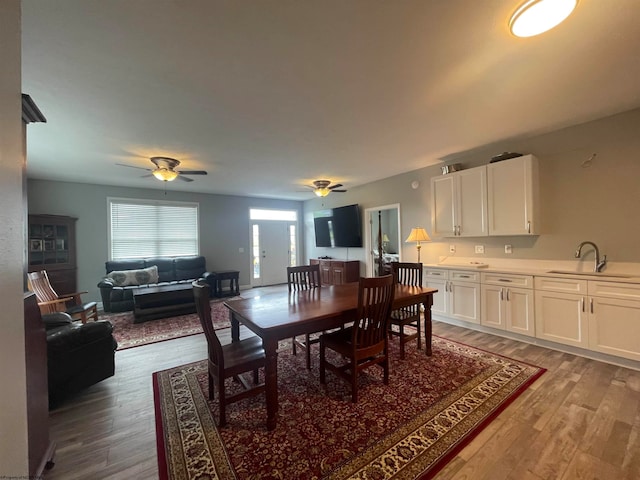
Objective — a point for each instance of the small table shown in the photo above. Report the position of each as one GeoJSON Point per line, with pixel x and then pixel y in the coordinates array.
{"type": "Point", "coordinates": [163, 301]}
{"type": "Point", "coordinates": [232, 276]}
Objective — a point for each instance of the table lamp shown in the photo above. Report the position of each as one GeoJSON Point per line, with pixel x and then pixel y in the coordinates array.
{"type": "Point", "coordinates": [418, 235]}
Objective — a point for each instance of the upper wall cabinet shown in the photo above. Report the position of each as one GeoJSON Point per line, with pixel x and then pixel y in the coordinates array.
{"type": "Point", "coordinates": [513, 196]}
{"type": "Point", "coordinates": [459, 203]}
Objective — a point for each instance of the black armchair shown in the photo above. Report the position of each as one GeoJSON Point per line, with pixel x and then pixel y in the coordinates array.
{"type": "Point", "coordinates": [78, 355]}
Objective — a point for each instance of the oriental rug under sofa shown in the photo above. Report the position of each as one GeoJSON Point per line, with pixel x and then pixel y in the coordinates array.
{"type": "Point", "coordinates": [167, 280]}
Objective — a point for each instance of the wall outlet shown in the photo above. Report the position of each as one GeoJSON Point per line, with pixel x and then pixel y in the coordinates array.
{"type": "Point", "coordinates": [479, 248]}
{"type": "Point", "coordinates": [508, 249]}
{"type": "Point", "coordinates": [452, 249]}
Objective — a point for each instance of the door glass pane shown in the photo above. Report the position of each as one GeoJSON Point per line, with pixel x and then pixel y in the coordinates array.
{"type": "Point", "coordinates": [293, 254]}
{"type": "Point", "coordinates": [255, 252]}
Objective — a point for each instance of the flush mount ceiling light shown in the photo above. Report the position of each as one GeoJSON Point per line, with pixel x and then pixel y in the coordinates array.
{"type": "Point", "coordinates": [534, 17]}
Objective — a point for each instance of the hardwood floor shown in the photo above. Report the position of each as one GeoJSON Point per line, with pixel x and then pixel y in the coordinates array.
{"type": "Point", "coordinates": [580, 420]}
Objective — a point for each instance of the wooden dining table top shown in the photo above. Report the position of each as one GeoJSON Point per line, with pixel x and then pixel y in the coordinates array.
{"type": "Point", "coordinates": [294, 312]}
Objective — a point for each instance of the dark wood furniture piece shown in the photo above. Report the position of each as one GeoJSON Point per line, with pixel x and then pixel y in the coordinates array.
{"type": "Point", "coordinates": [163, 301]}
{"type": "Point", "coordinates": [40, 447]}
{"type": "Point", "coordinates": [284, 315]}
{"type": "Point", "coordinates": [50, 302]}
{"type": "Point", "coordinates": [231, 360]}
{"type": "Point", "coordinates": [220, 276]}
{"type": "Point", "coordinates": [365, 343]}
{"type": "Point", "coordinates": [407, 274]}
{"type": "Point", "coordinates": [337, 272]}
{"type": "Point", "coordinates": [304, 277]}
{"type": "Point", "coordinates": [52, 247]}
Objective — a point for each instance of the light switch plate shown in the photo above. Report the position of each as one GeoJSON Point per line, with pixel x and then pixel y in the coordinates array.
{"type": "Point", "coordinates": [479, 248]}
{"type": "Point", "coordinates": [452, 249]}
{"type": "Point", "coordinates": [508, 249]}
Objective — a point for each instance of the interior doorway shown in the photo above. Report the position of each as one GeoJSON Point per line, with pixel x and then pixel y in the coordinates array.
{"type": "Point", "coordinates": [274, 245]}
{"type": "Point", "coordinates": [382, 238]}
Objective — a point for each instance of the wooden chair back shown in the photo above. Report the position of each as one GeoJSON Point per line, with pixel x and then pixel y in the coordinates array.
{"type": "Point", "coordinates": [40, 285]}
{"type": "Point", "coordinates": [375, 296]}
{"type": "Point", "coordinates": [407, 273]}
{"type": "Point", "coordinates": [203, 307]}
{"type": "Point", "coordinates": [304, 277]}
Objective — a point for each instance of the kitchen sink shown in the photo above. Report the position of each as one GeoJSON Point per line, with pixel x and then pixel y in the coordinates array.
{"type": "Point", "coordinates": [591, 274]}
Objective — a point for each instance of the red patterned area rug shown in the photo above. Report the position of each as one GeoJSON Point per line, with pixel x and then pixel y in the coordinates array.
{"type": "Point", "coordinates": [409, 429]}
{"type": "Point", "coordinates": [129, 334]}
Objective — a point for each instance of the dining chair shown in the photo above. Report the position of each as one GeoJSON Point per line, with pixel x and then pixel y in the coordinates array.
{"type": "Point", "coordinates": [304, 277]}
{"type": "Point", "coordinates": [230, 360]}
{"type": "Point", "coordinates": [365, 343]}
{"type": "Point", "coordinates": [50, 302]}
{"type": "Point", "coordinates": [406, 273]}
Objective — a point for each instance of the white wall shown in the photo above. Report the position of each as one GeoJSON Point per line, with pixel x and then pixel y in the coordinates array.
{"type": "Point", "coordinates": [600, 203]}
{"type": "Point", "coordinates": [13, 401]}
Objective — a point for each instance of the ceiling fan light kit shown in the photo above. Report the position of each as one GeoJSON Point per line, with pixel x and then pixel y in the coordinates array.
{"type": "Point", "coordinates": [165, 169]}
{"type": "Point", "coordinates": [322, 188]}
{"type": "Point", "coordinates": [534, 17]}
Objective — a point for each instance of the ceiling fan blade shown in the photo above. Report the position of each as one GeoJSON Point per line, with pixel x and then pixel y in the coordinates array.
{"type": "Point", "coordinates": [337, 185]}
{"type": "Point", "coordinates": [185, 179]}
{"type": "Point", "coordinates": [192, 172]}
{"type": "Point", "coordinates": [338, 191]}
{"type": "Point", "coordinates": [133, 166]}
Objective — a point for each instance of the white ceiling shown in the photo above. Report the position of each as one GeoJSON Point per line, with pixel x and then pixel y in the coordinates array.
{"type": "Point", "coordinates": [269, 95]}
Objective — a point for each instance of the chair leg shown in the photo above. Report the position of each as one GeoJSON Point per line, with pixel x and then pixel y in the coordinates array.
{"type": "Point", "coordinates": [222, 401]}
{"type": "Point", "coordinates": [354, 381]}
{"type": "Point", "coordinates": [322, 361]}
{"type": "Point", "coordinates": [293, 345]}
{"type": "Point", "coordinates": [255, 376]}
{"type": "Point", "coordinates": [385, 366]}
{"type": "Point", "coordinates": [211, 383]}
{"type": "Point", "coordinates": [307, 339]}
{"type": "Point", "coordinates": [418, 328]}
{"type": "Point", "coordinates": [402, 341]}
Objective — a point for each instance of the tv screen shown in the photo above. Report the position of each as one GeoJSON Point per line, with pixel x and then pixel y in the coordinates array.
{"type": "Point", "coordinates": [338, 227]}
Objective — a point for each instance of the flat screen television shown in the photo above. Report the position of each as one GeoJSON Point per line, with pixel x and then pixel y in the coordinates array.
{"type": "Point", "coordinates": [338, 227]}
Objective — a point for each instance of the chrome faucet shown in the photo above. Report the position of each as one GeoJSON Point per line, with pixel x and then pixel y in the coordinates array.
{"type": "Point", "coordinates": [599, 264]}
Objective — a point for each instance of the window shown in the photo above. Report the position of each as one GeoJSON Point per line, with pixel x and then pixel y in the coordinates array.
{"type": "Point", "coordinates": [140, 228]}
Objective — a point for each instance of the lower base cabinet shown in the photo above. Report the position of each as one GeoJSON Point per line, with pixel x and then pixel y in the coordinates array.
{"type": "Point", "coordinates": [337, 272]}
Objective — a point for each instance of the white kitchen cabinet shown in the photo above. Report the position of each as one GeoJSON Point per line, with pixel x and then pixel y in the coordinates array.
{"type": "Point", "coordinates": [438, 278]}
{"type": "Point", "coordinates": [614, 318]}
{"type": "Point", "coordinates": [464, 296]}
{"type": "Point", "coordinates": [459, 203]}
{"type": "Point", "coordinates": [508, 303]}
{"type": "Point", "coordinates": [458, 294]}
{"type": "Point", "coordinates": [512, 196]}
{"type": "Point", "coordinates": [560, 316]}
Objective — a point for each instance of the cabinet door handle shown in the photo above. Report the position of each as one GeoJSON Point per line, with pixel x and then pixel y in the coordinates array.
{"type": "Point", "coordinates": [529, 227]}
{"type": "Point", "coordinates": [465, 276]}
{"type": "Point", "coordinates": [582, 302]}
{"type": "Point", "coordinates": [591, 304]}
{"type": "Point", "coordinates": [501, 293]}
{"type": "Point", "coordinates": [505, 280]}
{"type": "Point", "coordinates": [508, 299]}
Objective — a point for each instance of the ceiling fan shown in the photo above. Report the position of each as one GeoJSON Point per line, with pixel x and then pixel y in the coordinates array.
{"type": "Point", "coordinates": [322, 188]}
{"type": "Point", "coordinates": [165, 169]}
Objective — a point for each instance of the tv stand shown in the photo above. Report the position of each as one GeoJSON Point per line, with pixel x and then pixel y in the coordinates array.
{"type": "Point", "coordinates": [337, 272]}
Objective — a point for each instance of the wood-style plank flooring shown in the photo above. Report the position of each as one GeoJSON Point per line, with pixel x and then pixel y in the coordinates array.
{"type": "Point", "coordinates": [580, 420]}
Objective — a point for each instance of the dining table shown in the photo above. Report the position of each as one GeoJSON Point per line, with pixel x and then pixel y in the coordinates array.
{"type": "Point", "coordinates": [284, 314]}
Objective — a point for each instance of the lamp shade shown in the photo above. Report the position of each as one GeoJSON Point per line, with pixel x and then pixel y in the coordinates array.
{"type": "Point", "coordinates": [385, 238]}
{"type": "Point", "coordinates": [418, 235]}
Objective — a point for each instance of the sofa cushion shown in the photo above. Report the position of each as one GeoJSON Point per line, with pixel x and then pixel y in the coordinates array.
{"type": "Point", "coordinates": [132, 264]}
{"type": "Point", "coordinates": [166, 271]}
{"type": "Point", "coordinates": [190, 268]}
{"type": "Point", "coordinates": [143, 276]}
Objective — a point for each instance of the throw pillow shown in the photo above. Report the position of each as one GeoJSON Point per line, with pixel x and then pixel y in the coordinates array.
{"type": "Point", "coordinates": [126, 278]}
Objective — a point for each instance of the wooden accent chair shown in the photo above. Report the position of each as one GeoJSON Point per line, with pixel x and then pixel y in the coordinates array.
{"type": "Point", "coordinates": [50, 302]}
{"type": "Point", "coordinates": [228, 361]}
{"type": "Point", "coordinates": [366, 342]}
{"type": "Point", "coordinates": [407, 274]}
{"type": "Point", "coordinates": [304, 277]}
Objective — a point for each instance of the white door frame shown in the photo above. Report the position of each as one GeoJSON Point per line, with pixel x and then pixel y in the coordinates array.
{"type": "Point", "coordinates": [368, 247]}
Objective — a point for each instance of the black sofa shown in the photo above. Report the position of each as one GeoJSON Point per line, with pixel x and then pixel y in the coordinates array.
{"type": "Point", "coordinates": [171, 271]}
{"type": "Point", "coordinates": [78, 355]}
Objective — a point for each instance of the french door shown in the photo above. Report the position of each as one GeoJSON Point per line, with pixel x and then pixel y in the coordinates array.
{"type": "Point", "coordinates": [273, 246]}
